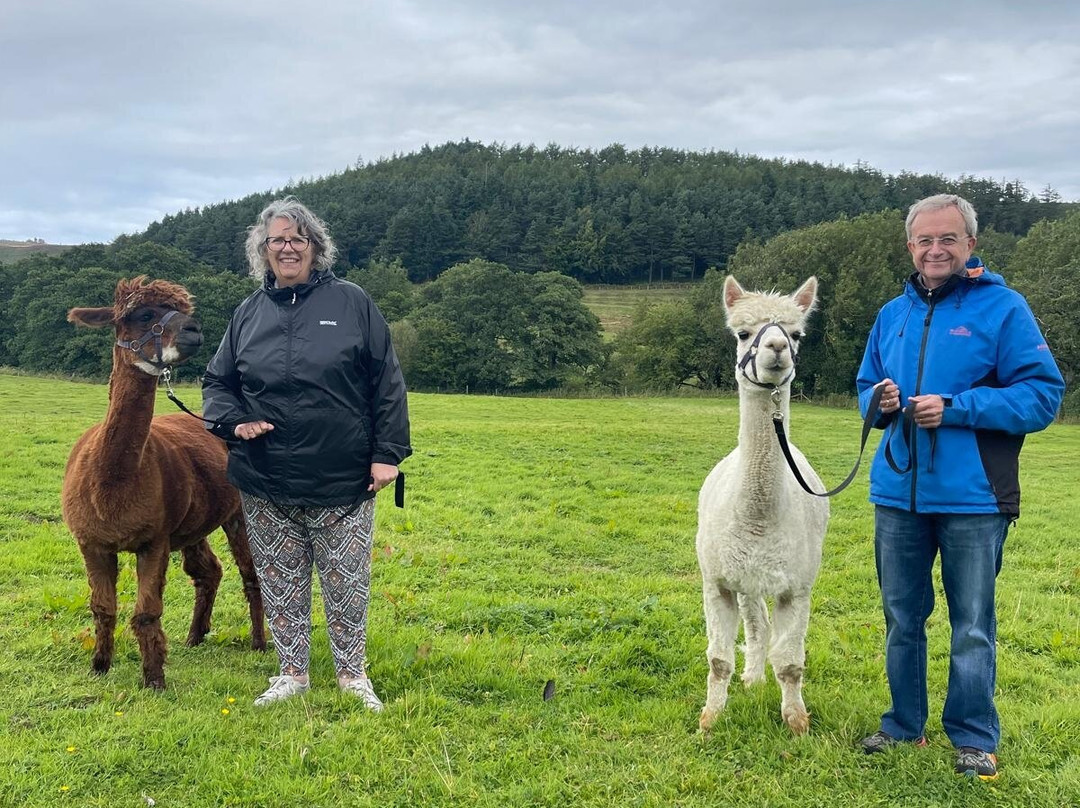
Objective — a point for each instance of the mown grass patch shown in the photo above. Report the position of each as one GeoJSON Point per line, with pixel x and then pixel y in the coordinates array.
{"type": "Point", "coordinates": [615, 305]}
{"type": "Point", "coordinates": [545, 541]}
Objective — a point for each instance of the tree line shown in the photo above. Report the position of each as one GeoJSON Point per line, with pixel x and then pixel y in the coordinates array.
{"type": "Point", "coordinates": [481, 326]}
{"type": "Point", "coordinates": [484, 325]}
{"type": "Point", "coordinates": [610, 215]}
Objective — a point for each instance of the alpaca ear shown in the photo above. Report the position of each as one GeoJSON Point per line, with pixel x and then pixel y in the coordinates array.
{"type": "Point", "coordinates": [92, 318]}
{"type": "Point", "coordinates": [806, 297]}
{"type": "Point", "coordinates": [732, 291]}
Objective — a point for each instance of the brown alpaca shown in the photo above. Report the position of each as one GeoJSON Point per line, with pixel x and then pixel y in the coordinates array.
{"type": "Point", "coordinates": [146, 485]}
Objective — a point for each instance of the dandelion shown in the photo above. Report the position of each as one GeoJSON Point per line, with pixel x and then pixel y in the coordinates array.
{"type": "Point", "coordinates": [65, 788]}
{"type": "Point", "coordinates": [71, 749]}
{"type": "Point", "coordinates": [224, 710]}
{"type": "Point", "coordinates": [231, 700]}
{"type": "Point", "coordinates": [119, 712]}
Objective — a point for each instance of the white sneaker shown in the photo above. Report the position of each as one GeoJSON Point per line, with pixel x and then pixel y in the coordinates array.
{"type": "Point", "coordinates": [362, 689]}
{"type": "Point", "coordinates": [282, 687]}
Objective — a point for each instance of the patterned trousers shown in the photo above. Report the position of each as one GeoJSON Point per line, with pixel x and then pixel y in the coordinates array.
{"type": "Point", "coordinates": [285, 542]}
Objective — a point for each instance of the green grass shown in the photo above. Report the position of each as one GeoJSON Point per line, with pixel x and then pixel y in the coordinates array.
{"type": "Point", "coordinates": [542, 540]}
{"type": "Point", "coordinates": [615, 305]}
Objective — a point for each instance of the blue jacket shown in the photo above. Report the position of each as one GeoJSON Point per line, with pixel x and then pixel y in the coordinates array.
{"type": "Point", "coordinates": [974, 342]}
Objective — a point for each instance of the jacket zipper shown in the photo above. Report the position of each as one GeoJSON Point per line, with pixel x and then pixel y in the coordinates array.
{"type": "Point", "coordinates": [918, 389]}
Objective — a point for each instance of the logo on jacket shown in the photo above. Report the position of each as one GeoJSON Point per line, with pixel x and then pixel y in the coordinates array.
{"type": "Point", "coordinates": [327, 322]}
{"type": "Point", "coordinates": [960, 331]}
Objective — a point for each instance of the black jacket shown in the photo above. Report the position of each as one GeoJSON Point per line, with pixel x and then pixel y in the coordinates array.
{"type": "Point", "coordinates": [316, 361]}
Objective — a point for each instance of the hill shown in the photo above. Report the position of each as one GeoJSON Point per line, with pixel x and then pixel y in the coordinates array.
{"type": "Point", "coordinates": [11, 251]}
{"type": "Point", "coordinates": [606, 216]}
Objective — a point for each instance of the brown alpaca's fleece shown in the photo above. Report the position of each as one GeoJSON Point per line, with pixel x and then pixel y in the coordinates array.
{"type": "Point", "coordinates": [145, 485]}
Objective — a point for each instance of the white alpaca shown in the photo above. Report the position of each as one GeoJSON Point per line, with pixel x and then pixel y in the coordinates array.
{"type": "Point", "coordinates": [759, 533]}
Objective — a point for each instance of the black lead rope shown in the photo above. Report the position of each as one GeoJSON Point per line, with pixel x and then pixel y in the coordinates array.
{"type": "Point", "coordinates": [868, 423]}
{"type": "Point", "coordinates": [166, 374]}
{"type": "Point", "coordinates": [909, 438]}
{"type": "Point", "coordinates": [399, 482]}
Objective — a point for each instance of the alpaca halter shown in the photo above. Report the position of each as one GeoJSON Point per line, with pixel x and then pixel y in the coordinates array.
{"type": "Point", "coordinates": [750, 358]}
{"type": "Point", "coordinates": [155, 332]}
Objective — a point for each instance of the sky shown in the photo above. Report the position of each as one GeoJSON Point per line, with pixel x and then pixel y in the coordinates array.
{"type": "Point", "coordinates": [115, 113]}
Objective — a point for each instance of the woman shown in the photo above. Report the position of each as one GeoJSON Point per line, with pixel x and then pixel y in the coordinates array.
{"type": "Point", "coordinates": [308, 391]}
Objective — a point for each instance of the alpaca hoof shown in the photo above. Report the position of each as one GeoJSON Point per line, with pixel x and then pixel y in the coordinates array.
{"type": "Point", "coordinates": [157, 685]}
{"type": "Point", "coordinates": [194, 638]}
{"type": "Point", "coordinates": [99, 667]}
{"type": "Point", "coordinates": [708, 718]}
{"type": "Point", "coordinates": [258, 643]}
{"type": "Point", "coordinates": [798, 719]}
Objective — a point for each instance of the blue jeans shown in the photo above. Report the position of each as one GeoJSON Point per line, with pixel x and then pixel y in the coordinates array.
{"type": "Point", "coordinates": [905, 545]}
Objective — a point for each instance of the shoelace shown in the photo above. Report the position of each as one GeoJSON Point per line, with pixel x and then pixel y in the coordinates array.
{"type": "Point", "coordinates": [281, 687]}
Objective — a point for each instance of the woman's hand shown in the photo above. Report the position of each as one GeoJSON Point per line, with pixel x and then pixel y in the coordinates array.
{"type": "Point", "coordinates": [382, 474]}
{"type": "Point", "coordinates": [252, 429]}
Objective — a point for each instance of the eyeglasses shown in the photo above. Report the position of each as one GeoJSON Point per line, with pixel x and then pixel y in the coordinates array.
{"type": "Point", "coordinates": [925, 242]}
{"type": "Point", "coordinates": [298, 243]}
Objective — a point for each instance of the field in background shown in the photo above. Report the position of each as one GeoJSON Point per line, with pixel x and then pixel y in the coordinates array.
{"type": "Point", "coordinates": [615, 305]}
{"type": "Point", "coordinates": [544, 541]}
{"type": "Point", "coordinates": [11, 251]}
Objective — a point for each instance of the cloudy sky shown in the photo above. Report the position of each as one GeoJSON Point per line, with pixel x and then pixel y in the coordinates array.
{"type": "Point", "coordinates": [114, 113]}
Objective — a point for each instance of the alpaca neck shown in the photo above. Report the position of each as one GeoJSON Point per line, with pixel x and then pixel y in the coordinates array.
{"type": "Point", "coordinates": [127, 422]}
{"type": "Point", "coordinates": [763, 466]}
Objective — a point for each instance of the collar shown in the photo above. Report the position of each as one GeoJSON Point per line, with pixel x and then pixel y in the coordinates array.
{"type": "Point", "coordinates": [288, 294]}
{"type": "Point", "coordinates": [951, 284]}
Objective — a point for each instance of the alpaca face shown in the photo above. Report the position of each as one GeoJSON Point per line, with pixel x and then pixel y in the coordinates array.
{"type": "Point", "coordinates": [768, 328]}
{"type": "Point", "coordinates": [153, 323]}
{"type": "Point", "coordinates": [149, 326]}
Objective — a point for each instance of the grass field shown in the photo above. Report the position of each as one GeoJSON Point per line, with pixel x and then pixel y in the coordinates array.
{"type": "Point", "coordinates": [614, 305]}
{"type": "Point", "coordinates": [11, 251]}
{"type": "Point", "coordinates": [543, 540]}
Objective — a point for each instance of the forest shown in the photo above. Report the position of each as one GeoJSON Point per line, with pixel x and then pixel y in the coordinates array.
{"type": "Point", "coordinates": [605, 216]}
{"type": "Point", "coordinates": [477, 256]}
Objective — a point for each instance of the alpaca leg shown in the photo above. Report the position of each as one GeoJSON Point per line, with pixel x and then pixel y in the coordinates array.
{"type": "Point", "coordinates": [204, 569]}
{"type": "Point", "coordinates": [788, 656]}
{"type": "Point", "coordinates": [722, 627]}
{"type": "Point", "coordinates": [755, 615]}
{"type": "Point", "coordinates": [236, 532]}
{"type": "Point", "coordinates": [101, 572]}
{"type": "Point", "coordinates": [151, 563]}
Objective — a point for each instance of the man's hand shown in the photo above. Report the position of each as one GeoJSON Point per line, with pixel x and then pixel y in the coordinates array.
{"type": "Point", "coordinates": [928, 410]}
{"type": "Point", "coordinates": [890, 399]}
{"type": "Point", "coordinates": [382, 474]}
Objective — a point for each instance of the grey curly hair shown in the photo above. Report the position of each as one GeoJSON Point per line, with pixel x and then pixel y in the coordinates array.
{"type": "Point", "coordinates": [307, 224]}
{"type": "Point", "coordinates": [939, 201]}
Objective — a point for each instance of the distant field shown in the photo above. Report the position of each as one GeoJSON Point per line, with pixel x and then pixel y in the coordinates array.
{"type": "Point", "coordinates": [11, 251]}
{"type": "Point", "coordinates": [614, 305]}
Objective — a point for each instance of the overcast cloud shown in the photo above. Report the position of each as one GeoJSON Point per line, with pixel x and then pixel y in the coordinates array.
{"type": "Point", "coordinates": [118, 112]}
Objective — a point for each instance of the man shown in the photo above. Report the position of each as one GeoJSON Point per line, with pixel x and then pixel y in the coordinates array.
{"type": "Point", "coordinates": [966, 374]}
